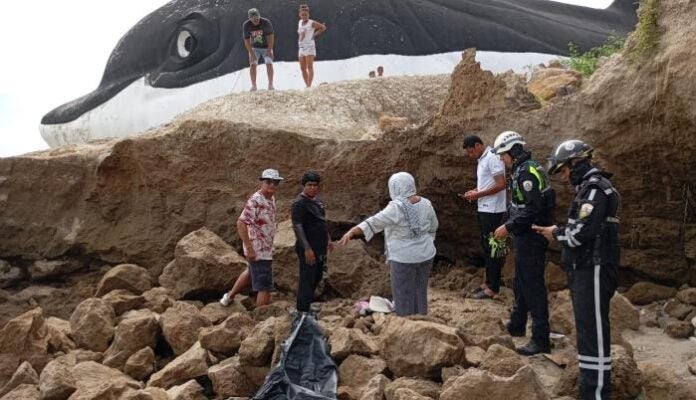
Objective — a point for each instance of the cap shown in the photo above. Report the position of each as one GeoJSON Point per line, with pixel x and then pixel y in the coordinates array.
{"type": "Point", "coordinates": [253, 12]}
{"type": "Point", "coordinates": [270, 174]}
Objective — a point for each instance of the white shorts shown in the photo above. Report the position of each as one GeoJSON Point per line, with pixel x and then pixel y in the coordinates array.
{"type": "Point", "coordinates": [307, 49]}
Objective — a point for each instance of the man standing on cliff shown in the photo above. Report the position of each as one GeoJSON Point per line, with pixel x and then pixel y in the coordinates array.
{"type": "Point", "coordinates": [259, 39]}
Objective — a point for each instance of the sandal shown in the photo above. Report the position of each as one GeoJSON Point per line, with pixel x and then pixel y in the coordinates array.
{"type": "Point", "coordinates": [478, 289]}
{"type": "Point", "coordinates": [482, 295]}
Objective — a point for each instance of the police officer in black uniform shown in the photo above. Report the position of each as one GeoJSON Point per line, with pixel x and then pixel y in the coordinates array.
{"type": "Point", "coordinates": [590, 243]}
{"type": "Point", "coordinates": [532, 202]}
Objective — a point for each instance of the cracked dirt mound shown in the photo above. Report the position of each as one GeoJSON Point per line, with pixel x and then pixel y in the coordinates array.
{"type": "Point", "coordinates": [348, 110]}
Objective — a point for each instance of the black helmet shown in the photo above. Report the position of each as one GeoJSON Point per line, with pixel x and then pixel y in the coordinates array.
{"type": "Point", "coordinates": [566, 151]}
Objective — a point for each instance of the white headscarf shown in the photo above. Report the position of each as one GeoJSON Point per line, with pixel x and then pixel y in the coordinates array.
{"type": "Point", "coordinates": [401, 187]}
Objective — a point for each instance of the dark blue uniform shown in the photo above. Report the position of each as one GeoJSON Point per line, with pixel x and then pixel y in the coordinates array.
{"type": "Point", "coordinates": [590, 243]}
{"type": "Point", "coordinates": [533, 201]}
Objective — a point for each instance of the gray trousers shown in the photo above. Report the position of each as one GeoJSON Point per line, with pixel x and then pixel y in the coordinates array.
{"type": "Point", "coordinates": [409, 283]}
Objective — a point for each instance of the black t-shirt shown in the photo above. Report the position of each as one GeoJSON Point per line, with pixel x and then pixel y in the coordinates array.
{"type": "Point", "coordinates": [257, 33]}
{"type": "Point", "coordinates": [312, 215]}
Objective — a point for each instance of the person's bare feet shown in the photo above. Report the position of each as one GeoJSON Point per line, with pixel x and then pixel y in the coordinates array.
{"type": "Point", "coordinates": [253, 89]}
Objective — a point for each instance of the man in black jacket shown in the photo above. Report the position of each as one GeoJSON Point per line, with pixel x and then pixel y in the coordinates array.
{"type": "Point", "coordinates": [590, 243]}
{"type": "Point", "coordinates": [313, 240]}
{"type": "Point", "coordinates": [532, 202]}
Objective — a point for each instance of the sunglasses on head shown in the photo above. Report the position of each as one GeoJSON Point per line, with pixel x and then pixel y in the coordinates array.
{"type": "Point", "coordinates": [272, 181]}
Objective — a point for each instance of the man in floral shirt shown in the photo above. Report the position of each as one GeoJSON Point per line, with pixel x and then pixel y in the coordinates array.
{"type": "Point", "coordinates": [257, 227]}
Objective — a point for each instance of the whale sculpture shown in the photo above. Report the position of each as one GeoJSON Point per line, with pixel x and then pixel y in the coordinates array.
{"type": "Point", "coordinates": [189, 51]}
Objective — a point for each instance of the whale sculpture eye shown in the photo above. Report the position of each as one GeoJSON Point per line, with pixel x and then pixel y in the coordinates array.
{"type": "Point", "coordinates": [185, 43]}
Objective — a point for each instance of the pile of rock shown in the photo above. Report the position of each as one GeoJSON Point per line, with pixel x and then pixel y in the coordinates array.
{"type": "Point", "coordinates": [673, 310]}
{"type": "Point", "coordinates": [136, 339]}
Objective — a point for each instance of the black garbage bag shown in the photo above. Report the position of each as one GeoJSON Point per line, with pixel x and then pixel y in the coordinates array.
{"type": "Point", "coordinates": [306, 371]}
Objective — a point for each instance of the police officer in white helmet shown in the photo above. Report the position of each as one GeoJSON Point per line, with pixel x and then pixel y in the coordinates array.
{"type": "Point", "coordinates": [532, 202]}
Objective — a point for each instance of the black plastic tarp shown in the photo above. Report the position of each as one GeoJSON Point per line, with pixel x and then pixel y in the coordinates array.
{"type": "Point", "coordinates": [306, 371]}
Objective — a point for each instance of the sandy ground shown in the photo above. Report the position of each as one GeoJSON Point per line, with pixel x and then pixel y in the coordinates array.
{"type": "Point", "coordinates": [651, 344]}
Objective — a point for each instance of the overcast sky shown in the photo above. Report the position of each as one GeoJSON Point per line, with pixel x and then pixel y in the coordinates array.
{"type": "Point", "coordinates": [54, 51]}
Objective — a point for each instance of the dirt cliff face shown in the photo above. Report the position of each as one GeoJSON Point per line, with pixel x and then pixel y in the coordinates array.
{"type": "Point", "coordinates": [132, 200]}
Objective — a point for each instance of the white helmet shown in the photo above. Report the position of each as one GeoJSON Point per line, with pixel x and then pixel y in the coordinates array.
{"type": "Point", "coordinates": [504, 142]}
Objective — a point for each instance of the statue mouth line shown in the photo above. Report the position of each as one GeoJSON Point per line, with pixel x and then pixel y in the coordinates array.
{"type": "Point", "coordinates": [73, 110]}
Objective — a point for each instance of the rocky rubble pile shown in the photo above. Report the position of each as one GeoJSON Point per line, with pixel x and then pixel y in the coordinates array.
{"type": "Point", "coordinates": [95, 306]}
{"type": "Point", "coordinates": [139, 338]}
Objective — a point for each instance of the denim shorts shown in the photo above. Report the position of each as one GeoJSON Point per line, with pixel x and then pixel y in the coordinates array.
{"type": "Point", "coordinates": [259, 53]}
{"type": "Point", "coordinates": [261, 275]}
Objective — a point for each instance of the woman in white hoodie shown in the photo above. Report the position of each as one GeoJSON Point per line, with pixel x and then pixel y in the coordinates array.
{"type": "Point", "coordinates": [307, 30]}
{"type": "Point", "coordinates": [409, 224]}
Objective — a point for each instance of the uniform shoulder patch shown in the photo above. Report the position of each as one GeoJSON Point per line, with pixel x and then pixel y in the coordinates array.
{"type": "Point", "coordinates": [527, 185]}
{"type": "Point", "coordinates": [585, 210]}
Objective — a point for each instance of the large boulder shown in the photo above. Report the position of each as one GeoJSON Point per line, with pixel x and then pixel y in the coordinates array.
{"type": "Point", "coordinates": [59, 335]}
{"type": "Point", "coordinates": [356, 372]}
{"type": "Point", "coordinates": [420, 348]}
{"type": "Point", "coordinates": [229, 379]}
{"type": "Point", "coordinates": [92, 324]}
{"type": "Point", "coordinates": [24, 338]}
{"type": "Point", "coordinates": [622, 314]}
{"type": "Point", "coordinates": [687, 296]}
{"type": "Point", "coordinates": [662, 383]}
{"type": "Point", "coordinates": [25, 374]}
{"type": "Point", "coordinates": [158, 299]}
{"type": "Point", "coordinates": [190, 390]}
{"type": "Point", "coordinates": [122, 300]}
{"type": "Point", "coordinates": [477, 384]}
{"type": "Point", "coordinates": [501, 361]}
{"type": "Point", "coordinates": [643, 293]}
{"type": "Point", "coordinates": [130, 277]}
{"type": "Point", "coordinates": [679, 329]}
{"type": "Point", "coordinates": [286, 272]}
{"type": "Point", "coordinates": [98, 381]}
{"type": "Point", "coordinates": [136, 331]}
{"type": "Point", "coordinates": [57, 381]}
{"type": "Point", "coordinates": [547, 82]}
{"type": "Point", "coordinates": [203, 263]}
{"type": "Point", "coordinates": [626, 378]}
{"type": "Point", "coordinates": [180, 326]}
{"type": "Point", "coordinates": [374, 389]}
{"type": "Point", "coordinates": [346, 341]}
{"type": "Point", "coordinates": [227, 337]}
{"type": "Point", "coordinates": [190, 365]}
{"type": "Point", "coordinates": [354, 274]}
{"type": "Point", "coordinates": [257, 348]}
{"type": "Point", "coordinates": [23, 392]}
{"type": "Point", "coordinates": [141, 364]}
{"type": "Point", "coordinates": [422, 387]}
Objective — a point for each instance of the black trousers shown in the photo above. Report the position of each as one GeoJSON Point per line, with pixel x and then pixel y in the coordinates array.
{"type": "Point", "coordinates": [529, 286]}
{"type": "Point", "coordinates": [591, 290]}
{"type": "Point", "coordinates": [488, 222]}
{"type": "Point", "coordinates": [310, 276]}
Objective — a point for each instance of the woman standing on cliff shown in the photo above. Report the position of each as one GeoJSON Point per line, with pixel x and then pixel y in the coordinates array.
{"type": "Point", "coordinates": [409, 224]}
{"type": "Point", "coordinates": [307, 30]}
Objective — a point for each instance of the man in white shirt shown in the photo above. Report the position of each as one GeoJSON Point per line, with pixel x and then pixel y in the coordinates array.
{"type": "Point", "coordinates": [490, 195]}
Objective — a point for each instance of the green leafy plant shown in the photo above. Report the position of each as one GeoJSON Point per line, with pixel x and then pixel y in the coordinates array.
{"type": "Point", "coordinates": [586, 63]}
